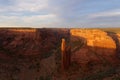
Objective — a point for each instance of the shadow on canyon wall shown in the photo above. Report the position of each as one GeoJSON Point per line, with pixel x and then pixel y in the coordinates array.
{"type": "Point", "coordinates": [93, 62]}
{"type": "Point", "coordinates": [43, 42]}
{"type": "Point", "coordinates": [36, 55]}
{"type": "Point", "coordinates": [85, 54]}
{"type": "Point", "coordinates": [30, 55]}
{"type": "Point", "coordinates": [15, 43]}
{"type": "Point", "coordinates": [114, 36]}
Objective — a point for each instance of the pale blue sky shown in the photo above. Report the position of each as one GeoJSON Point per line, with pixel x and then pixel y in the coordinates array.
{"type": "Point", "coordinates": [60, 13]}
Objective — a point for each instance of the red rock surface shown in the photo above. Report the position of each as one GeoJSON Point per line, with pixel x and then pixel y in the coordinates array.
{"type": "Point", "coordinates": [34, 54]}
{"type": "Point", "coordinates": [99, 46]}
{"type": "Point", "coordinates": [30, 41]}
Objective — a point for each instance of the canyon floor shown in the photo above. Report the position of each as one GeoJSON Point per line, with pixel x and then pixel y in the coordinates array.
{"type": "Point", "coordinates": [35, 54]}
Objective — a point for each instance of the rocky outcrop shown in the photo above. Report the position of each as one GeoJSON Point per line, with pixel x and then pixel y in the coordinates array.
{"type": "Point", "coordinates": [99, 47]}
{"type": "Point", "coordinates": [30, 41]}
{"type": "Point", "coordinates": [35, 54]}
{"type": "Point", "coordinates": [95, 38]}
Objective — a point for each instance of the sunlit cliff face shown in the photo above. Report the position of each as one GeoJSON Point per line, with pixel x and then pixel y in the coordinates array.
{"type": "Point", "coordinates": [95, 43]}
{"type": "Point", "coordinates": [95, 38]}
{"type": "Point", "coordinates": [118, 35]}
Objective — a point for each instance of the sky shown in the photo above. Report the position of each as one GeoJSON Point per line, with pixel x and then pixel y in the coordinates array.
{"type": "Point", "coordinates": [60, 13]}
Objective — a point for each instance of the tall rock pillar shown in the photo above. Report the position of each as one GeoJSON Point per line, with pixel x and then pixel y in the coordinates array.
{"type": "Point", "coordinates": [65, 55]}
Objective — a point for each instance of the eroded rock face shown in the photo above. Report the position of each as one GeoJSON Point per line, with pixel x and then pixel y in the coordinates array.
{"type": "Point", "coordinates": [91, 49]}
{"type": "Point", "coordinates": [95, 38]}
{"type": "Point", "coordinates": [30, 41]}
{"type": "Point", "coordinates": [99, 45]}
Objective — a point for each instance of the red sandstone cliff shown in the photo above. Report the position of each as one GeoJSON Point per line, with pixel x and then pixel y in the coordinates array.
{"type": "Point", "coordinates": [35, 54]}
{"type": "Point", "coordinates": [30, 41]}
{"type": "Point", "coordinates": [98, 46]}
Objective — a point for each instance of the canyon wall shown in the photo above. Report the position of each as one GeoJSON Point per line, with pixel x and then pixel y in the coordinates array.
{"type": "Point", "coordinates": [30, 41]}
{"type": "Point", "coordinates": [99, 46]}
